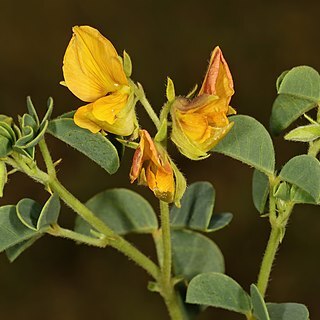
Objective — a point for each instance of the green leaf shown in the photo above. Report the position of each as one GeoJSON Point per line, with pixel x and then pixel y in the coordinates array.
{"type": "Point", "coordinates": [49, 213]}
{"type": "Point", "coordinates": [32, 111]}
{"type": "Point", "coordinates": [307, 133]}
{"type": "Point", "coordinates": [170, 91]}
{"type": "Point", "coordinates": [47, 116]}
{"type": "Point", "coordinates": [220, 291]}
{"type": "Point", "coordinates": [127, 64]}
{"type": "Point", "coordinates": [260, 190]}
{"type": "Point", "coordinates": [287, 311]}
{"type": "Point", "coordinates": [304, 172]}
{"type": "Point", "coordinates": [299, 196]}
{"type": "Point", "coordinates": [283, 191]}
{"type": "Point", "coordinates": [249, 142]}
{"type": "Point", "coordinates": [196, 211]}
{"type": "Point", "coordinates": [259, 307]}
{"type": "Point", "coordinates": [27, 135]}
{"type": "Point", "coordinates": [29, 121]}
{"type": "Point", "coordinates": [180, 184]}
{"type": "Point", "coordinates": [303, 82]}
{"type": "Point", "coordinates": [219, 221]}
{"type": "Point", "coordinates": [7, 131]}
{"type": "Point", "coordinates": [5, 146]}
{"type": "Point", "coordinates": [193, 253]}
{"type": "Point", "coordinates": [4, 132]}
{"type": "Point", "coordinates": [28, 211]}
{"type": "Point", "coordinates": [299, 92]}
{"type": "Point", "coordinates": [123, 210]}
{"type": "Point", "coordinates": [285, 110]}
{"type": "Point", "coordinates": [3, 177]}
{"type": "Point", "coordinates": [280, 78]}
{"type": "Point", "coordinates": [67, 115]}
{"type": "Point", "coordinates": [95, 146]}
{"type": "Point", "coordinates": [36, 138]}
{"type": "Point", "coordinates": [12, 230]}
{"type": "Point", "coordinates": [14, 252]}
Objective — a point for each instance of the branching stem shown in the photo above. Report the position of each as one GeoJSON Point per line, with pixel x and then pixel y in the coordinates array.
{"type": "Point", "coordinates": [278, 224]}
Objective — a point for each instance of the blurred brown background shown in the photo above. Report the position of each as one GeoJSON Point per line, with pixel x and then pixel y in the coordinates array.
{"type": "Point", "coordinates": [56, 280]}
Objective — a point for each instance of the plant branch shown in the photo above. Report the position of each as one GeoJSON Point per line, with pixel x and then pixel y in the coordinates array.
{"type": "Point", "coordinates": [114, 240]}
{"type": "Point", "coordinates": [168, 292]}
{"type": "Point", "coordinates": [139, 92]}
{"type": "Point", "coordinates": [314, 148]}
{"type": "Point", "coordinates": [57, 231]}
{"type": "Point", "coordinates": [47, 158]}
{"type": "Point", "coordinates": [268, 258]}
{"type": "Point", "coordinates": [166, 243]}
{"type": "Point", "coordinates": [278, 225]}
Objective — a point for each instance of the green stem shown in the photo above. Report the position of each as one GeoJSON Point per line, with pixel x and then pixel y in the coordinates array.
{"type": "Point", "coordinates": [147, 106]}
{"type": "Point", "coordinates": [139, 92]}
{"type": "Point", "coordinates": [168, 292]}
{"type": "Point", "coordinates": [166, 242]}
{"type": "Point", "coordinates": [268, 259]}
{"type": "Point", "coordinates": [114, 240]}
{"type": "Point", "coordinates": [173, 304]}
{"type": "Point", "coordinates": [47, 158]}
{"type": "Point", "coordinates": [56, 231]}
{"type": "Point", "coordinates": [278, 225]}
{"type": "Point", "coordinates": [314, 148]}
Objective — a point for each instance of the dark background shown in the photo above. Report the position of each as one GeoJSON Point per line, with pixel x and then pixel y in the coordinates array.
{"type": "Point", "coordinates": [57, 280]}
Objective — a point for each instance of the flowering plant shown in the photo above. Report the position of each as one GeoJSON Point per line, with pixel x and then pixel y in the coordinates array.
{"type": "Point", "coordinates": [189, 274]}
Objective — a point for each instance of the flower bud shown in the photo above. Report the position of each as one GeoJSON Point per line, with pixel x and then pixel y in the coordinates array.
{"type": "Point", "coordinates": [152, 167]}
{"type": "Point", "coordinates": [200, 123]}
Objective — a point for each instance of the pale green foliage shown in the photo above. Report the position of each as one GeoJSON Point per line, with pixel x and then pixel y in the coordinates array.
{"type": "Point", "coordinates": [3, 176]}
{"type": "Point", "coordinates": [249, 142]}
{"type": "Point", "coordinates": [127, 64]}
{"type": "Point", "coordinates": [123, 210]}
{"type": "Point", "coordinates": [287, 311]}
{"type": "Point", "coordinates": [196, 210]}
{"type": "Point", "coordinates": [12, 230]}
{"type": "Point", "coordinates": [194, 253]}
{"type": "Point", "coordinates": [220, 291]}
{"type": "Point", "coordinates": [307, 133]}
{"type": "Point", "coordinates": [304, 172]}
{"type": "Point", "coordinates": [260, 190]}
{"type": "Point", "coordinates": [258, 305]}
{"type": "Point", "coordinates": [95, 146]}
{"type": "Point", "coordinates": [299, 92]}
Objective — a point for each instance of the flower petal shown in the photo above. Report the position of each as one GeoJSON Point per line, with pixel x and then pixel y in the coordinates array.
{"type": "Point", "coordinates": [151, 166]}
{"type": "Point", "coordinates": [218, 80]}
{"type": "Point", "coordinates": [91, 65]}
{"type": "Point", "coordinates": [82, 118]}
{"type": "Point", "coordinates": [195, 126]}
{"type": "Point", "coordinates": [107, 108]}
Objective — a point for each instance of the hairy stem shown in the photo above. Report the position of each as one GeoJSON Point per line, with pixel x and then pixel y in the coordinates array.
{"type": "Point", "coordinates": [278, 224]}
{"type": "Point", "coordinates": [267, 262]}
{"type": "Point", "coordinates": [314, 148]}
{"type": "Point", "coordinates": [114, 240]}
{"type": "Point", "coordinates": [54, 185]}
{"type": "Point", "coordinates": [166, 243]}
{"type": "Point", "coordinates": [57, 231]}
{"type": "Point", "coordinates": [47, 158]}
{"type": "Point", "coordinates": [147, 106]}
{"type": "Point", "coordinates": [168, 292]}
{"type": "Point", "coordinates": [139, 92]}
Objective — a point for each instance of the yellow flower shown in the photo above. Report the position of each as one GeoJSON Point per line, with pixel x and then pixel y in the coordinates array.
{"type": "Point", "coordinates": [199, 124]}
{"type": "Point", "coordinates": [94, 73]}
{"type": "Point", "coordinates": [152, 167]}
